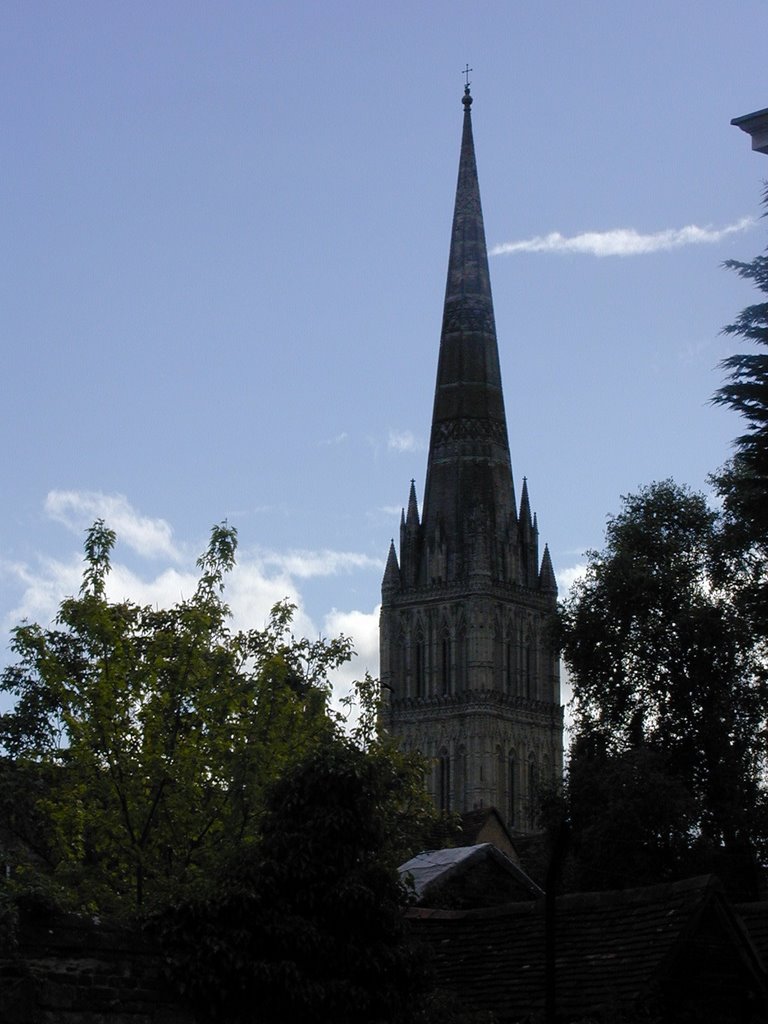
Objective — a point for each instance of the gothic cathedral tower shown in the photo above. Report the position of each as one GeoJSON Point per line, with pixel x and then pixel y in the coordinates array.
{"type": "Point", "coordinates": [469, 675]}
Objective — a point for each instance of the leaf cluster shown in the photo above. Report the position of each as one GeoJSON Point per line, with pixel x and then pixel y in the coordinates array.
{"type": "Point", "coordinates": [151, 734]}
{"type": "Point", "coordinates": [308, 921]}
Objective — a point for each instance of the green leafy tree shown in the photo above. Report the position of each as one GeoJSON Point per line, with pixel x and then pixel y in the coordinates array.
{"type": "Point", "coordinates": [308, 923]}
{"type": "Point", "coordinates": [173, 764]}
{"type": "Point", "coordinates": [631, 818]}
{"type": "Point", "coordinates": [666, 687]}
{"type": "Point", "coordinates": [158, 731]}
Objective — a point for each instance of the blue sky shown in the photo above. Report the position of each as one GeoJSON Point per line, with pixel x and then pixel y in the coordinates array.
{"type": "Point", "coordinates": [226, 231]}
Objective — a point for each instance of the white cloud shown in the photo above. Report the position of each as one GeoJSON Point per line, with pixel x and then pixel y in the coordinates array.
{"type": "Point", "coordinates": [51, 580]}
{"type": "Point", "coordinates": [77, 510]}
{"type": "Point", "coordinates": [622, 241]}
{"type": "Point", "coordinates": [567, 577]}
{"type": "Point", "coordinates": [403, 441]}
{"type": "Point", "coordinates": [363, 628]}
{"type": "Point", "coordinates": [259, 580]}
{"type": "Point", "coordinates": [252, 592]}
{"type": "Point", "coordinates": [161, 591]}
{"type": "Point", "coordinates": [338, 439]}
{"type": "Point", "coordinates": [42, 589]}
{"type": "Point", "coordinates": [309, 564]}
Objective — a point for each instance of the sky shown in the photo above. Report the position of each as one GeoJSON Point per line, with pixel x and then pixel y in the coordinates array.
{"type": "Point", "coordinates": [226, 237]}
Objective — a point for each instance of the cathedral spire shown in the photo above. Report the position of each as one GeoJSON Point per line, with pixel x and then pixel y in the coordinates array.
{"type": "Point", "coordinates": [469, 671]}
{"type": "Point", "coordinates": [468, 471]}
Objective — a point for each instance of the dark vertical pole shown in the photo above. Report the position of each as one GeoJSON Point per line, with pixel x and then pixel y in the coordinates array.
{"type": "Point", "coordinates": [550, 922]}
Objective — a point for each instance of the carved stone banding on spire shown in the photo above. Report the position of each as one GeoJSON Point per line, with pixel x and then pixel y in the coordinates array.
{"type": "Point", "coordinates": [471, 430]}
{"type": "Point", "coordinates": [469, 318]}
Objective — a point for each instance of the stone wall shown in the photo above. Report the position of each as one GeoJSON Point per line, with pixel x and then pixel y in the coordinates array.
{"type": "Point", "coordinates": [78, 970]}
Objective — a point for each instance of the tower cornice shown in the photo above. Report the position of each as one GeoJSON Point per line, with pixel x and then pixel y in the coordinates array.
{"type": "Point", "coordinates": [446, 593]}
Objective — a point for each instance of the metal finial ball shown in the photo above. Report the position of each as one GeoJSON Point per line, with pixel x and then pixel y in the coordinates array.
{"type": "Point", "coordinates": [466, 99]}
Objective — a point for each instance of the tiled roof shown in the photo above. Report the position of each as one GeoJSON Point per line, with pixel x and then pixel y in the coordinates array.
{"type": "Point", "coordinates": [436, 868]}
{"type": "Point", "coordinates": [473, 821]}
{"type": "Point", "coordinates": [465, 829]}
{"type": "Point", "coordinates": [613, 948]}
{"type": "Point", "coordinates": [755, 918]}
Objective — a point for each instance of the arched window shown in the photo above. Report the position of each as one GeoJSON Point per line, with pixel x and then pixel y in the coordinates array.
{"type": "Point", "coordinates": [498, 655]}
{"type": "Point", "coordinates": [445, 662]}
{"type": "Point", "coordinates": [399, 667]}
{"type": "Point", "coordinates": [509, 660]}
{"type": "Point", "coordinates": [533, 791]}
{"type": "Point", "coordinates": [460, 670]}
{"type": "Point", "coordinates": [511, 789]}
{"type": "Point", "coordinates": [520, 662]}
{"type": "Point", "coordinates": [500, 782]}
{"type": "Point", "coordinates": [460, 784]}
{"type": "Point", "coordinates": [444, 782]}
{"type": "Point", "coordinates": [419, 666]}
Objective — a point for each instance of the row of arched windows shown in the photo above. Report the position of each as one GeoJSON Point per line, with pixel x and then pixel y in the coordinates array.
{"type": "Point", "coordinates": [516, 790]}
{"type": "Point", "coordinates": [516, 661]}
{"type": "Point", "coordinates": [438, 666]}
{"type": "Point", "coordinates": [427, 672]}
{"type": "Point", "coordinates": [521, 797]}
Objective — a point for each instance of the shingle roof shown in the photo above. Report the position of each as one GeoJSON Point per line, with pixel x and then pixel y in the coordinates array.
{"type": "Point", "coordinates": [613, 948]}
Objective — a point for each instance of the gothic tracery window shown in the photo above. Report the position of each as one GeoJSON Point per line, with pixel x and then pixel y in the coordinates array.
{"type": "Point", "coordinates": [460, 661]}
{"type": "Point", "coordinates": [419, 665]}
{"type": "Point", "coordinates": [533, 791]}
{"type": "Point", "coordinates": [509, 658]}
{"type": "Point", "coordinates": [460, 782]}
{"type": "Point", "coordinates": [445, 662]}
{"type": "Point", "coordinates": [498, 655]}
{"type": "Point", "coordinates": [528, 666]}
{"type": "Point", "coordinates": [444, 782]}
{"type": "Point", "coordinates": [511, 789]}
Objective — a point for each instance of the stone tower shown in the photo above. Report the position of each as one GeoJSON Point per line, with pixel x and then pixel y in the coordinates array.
{"type": "Point", "coordinates": [469, 675]}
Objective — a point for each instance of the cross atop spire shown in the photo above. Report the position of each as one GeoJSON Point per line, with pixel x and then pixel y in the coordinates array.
{"type": "Point", "coordinates": [467, 99]}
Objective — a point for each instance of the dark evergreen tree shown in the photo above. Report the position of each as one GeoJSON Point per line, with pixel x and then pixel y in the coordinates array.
{"type": "Point", "coordinates": [746, 391]}
{"type": "Point", "coordinates": [743, 481]}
